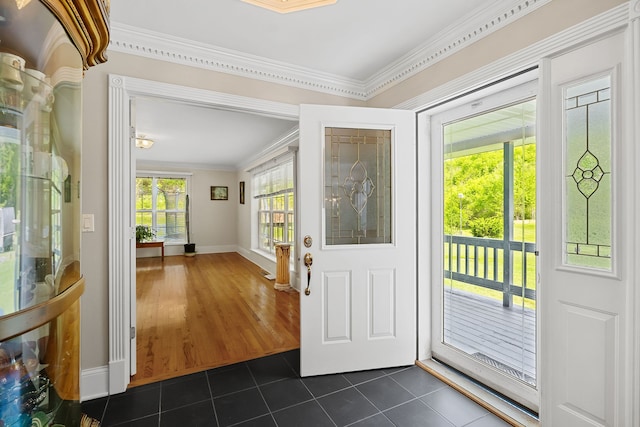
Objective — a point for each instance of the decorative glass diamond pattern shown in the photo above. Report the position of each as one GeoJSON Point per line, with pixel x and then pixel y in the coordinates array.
{"type": "Point", "coordinates": [588, 174]}
{"type": "Point", "coordinates": [358, 186]}
{"type": "Point", "coordinates": [588, 193]}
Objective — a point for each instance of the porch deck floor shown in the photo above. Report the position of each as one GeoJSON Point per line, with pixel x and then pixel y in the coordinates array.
{"type": "Point", "coordinates": [501, 336]}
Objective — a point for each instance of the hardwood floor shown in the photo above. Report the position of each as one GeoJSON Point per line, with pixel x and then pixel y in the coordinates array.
{"type": "Point", "coordinates": [196, 313]}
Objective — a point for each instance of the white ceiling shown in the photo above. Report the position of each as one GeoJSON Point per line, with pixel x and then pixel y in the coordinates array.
{"type": "Point", "coordinates": [362, 44]}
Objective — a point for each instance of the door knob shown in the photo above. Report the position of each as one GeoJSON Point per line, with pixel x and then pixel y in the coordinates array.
{"type": "Point", "coordinates": [308, 260]}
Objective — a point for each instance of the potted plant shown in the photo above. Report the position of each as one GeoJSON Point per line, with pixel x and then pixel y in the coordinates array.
{"type": "Point", "coordinates": [189, 248]}
{"type": "Point", "coordinates": [144, 233]}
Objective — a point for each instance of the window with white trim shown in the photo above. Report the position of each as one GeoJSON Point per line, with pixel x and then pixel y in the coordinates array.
{"type": "Point", "coordinates": [273, 189]}
{"type": "Point", "coordinates": [161, 205]}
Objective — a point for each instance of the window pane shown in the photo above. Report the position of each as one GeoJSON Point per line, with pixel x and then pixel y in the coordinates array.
{"type": "Point", "coordinates": [290, 222]}
{"type": "Point", "coordinates": [278, 202]}
{"type": "Point", "coordinates": [144, 218]}
{"type": "Point", "coordinates": [143, 193]}
{"type": "Point", "coordinates": [357, 186]}
{"type": "Point", "coordinates": [489, 227]}
{"type": "Point", "coordinates": [273, 193]}
{"type": "Point", "coordinates": [588, 174]}
{"type": "Point", "coordinates": [264, 204]}
{"type": "Point", "coordinates": [166, 212]}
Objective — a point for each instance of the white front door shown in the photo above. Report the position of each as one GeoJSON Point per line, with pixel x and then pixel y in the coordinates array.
{"type": "Point", "coordinates": [586, 252]}
{"type": "Point", "coordinates": [357, 204]}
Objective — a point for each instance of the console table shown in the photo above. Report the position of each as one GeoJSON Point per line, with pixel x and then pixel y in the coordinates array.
{"type": "Point", "coordinates": [151, 245]}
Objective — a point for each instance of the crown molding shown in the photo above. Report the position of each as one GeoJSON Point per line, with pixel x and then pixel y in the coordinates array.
{"type": "Point", "coordinates": [478, 24]}
{"type": "Point", "coordinates": [150, 44]}
{"type": "Point", "coordinates": [475, 26]}
{"type": "Point", "coordinates": [607, 22]}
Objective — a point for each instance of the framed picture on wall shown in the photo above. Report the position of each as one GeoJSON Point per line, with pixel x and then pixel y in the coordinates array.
{"type": "Point", "coordinates": [219, 192]}
{"type": "Point", "coordinates": [242, 192]}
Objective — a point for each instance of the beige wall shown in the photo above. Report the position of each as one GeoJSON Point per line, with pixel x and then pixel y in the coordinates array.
{"type": "Point", "coordinates": [553, 17]}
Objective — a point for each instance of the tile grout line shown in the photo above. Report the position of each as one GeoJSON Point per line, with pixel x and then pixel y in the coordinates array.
{"type": "Point", "coordinates": [313, 396]}
{"type": "Point", "coordinates": [262, 396]}
{"type": "Point", "coordinates": [213, 405]}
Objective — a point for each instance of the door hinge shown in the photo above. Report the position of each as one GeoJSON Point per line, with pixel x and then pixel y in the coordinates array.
{"type": "Point", "coordinates": [132, 332]}
{"type": "Point", "coordinates": [132, 132]}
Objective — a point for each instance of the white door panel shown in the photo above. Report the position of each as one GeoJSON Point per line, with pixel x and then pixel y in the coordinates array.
{"type": "Point", "coordinates": [360, 312]}
{"type": "Point", "coordinates": [586, 275]}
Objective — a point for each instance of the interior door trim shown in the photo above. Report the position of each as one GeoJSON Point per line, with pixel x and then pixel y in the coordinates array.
{"type": "Point", "coordinates": [122, 90]}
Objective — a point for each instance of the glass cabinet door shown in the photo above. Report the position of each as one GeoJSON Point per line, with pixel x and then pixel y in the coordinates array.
{"type": "Point", "coordinates": [40, 283]}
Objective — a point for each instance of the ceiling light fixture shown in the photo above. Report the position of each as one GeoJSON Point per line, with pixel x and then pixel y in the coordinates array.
{"type": "Point", "coordinates": [286, 6]}
{"type": "Point", "coordinates": [143, 142]}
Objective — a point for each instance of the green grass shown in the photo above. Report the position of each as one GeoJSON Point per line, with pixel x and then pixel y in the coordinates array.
{"type": "Point", "coordinates": [523, 231]}
{"type": "Point", "coordinates": [7, 282]}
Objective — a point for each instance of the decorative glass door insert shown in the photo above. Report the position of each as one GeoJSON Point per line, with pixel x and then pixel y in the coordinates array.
{"type": "Point", "coordinates": [588, 174]}
{"type": "Point", "coordinates": [357, 189]}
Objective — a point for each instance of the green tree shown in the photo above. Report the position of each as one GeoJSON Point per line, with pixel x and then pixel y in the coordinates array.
{"type": "Point", "coordinates": [9, 170]}
{"type": "Point", "coordinates": [479, 178]}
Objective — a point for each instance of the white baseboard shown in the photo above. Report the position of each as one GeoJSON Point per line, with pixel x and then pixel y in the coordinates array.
{"type": "Point", "coordinates": [94, 383]}
{"type": "Point", "coordinates": [258, 259]}
{"type": "Point", "coordinates": [178, 250]}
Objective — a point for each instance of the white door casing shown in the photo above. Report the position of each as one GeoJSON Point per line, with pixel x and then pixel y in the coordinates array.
{"type": "Point", "coordinates": [133, 349]}
{"type": "Point", "coordinates": [121, 175]}
{"type": "Point", "coordinates": [361, 310]}
{"type": "Point", "coordinates": [585, 319]}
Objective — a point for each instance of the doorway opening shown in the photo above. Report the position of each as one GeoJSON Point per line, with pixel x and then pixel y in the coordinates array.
{"type": "Point", "coordinates": [484, 237]}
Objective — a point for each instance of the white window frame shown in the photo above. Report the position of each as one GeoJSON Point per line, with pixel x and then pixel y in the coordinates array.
{"type": "Point", "coordinates": [159, 174]}
{"type": "Point", "coordinates": [288, 210]}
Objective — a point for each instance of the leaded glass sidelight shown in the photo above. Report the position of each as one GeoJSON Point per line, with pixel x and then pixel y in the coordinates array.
{"type": "Point", "coordinates": [588, 174]}
{"type": "Point", "coordinates": [357, 189]}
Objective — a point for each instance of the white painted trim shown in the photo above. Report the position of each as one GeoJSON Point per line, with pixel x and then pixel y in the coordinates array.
{"type": "Point", "coordinates": [633, 108]}
{"type": "Point", "coordinates": [150, 164]}
{"type": "Point", "coordinates": [196, 96]}
{"type": "Point", "coordinates": [120, 234]}
{"type": "Point", "coordinates": [94, 383]}
{"type": "Point", "coordinates": [279, 146]}
{"type": "Point", "coordinates": [121, 173]}
{"type": "Point", "coordinates": [424, 229]}
{"type": "Point", "coordinates": [479, 24]}
{"type": "Point", "coordinates": [262, 261]}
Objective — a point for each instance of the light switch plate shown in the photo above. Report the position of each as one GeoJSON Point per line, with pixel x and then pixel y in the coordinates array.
{"type": "Point", "coordinates": [87, 223]}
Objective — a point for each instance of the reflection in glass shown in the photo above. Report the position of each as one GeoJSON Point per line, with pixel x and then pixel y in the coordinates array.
{"type": "Point", "coordinates": [357, 186]}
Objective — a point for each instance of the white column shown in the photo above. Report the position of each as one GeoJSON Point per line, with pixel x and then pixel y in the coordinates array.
{"type": "Point", "coordinates": [282, 267]}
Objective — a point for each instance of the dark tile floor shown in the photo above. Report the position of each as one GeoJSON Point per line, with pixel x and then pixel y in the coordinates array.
{"type": "Point", "coordinates": [269, 392]}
